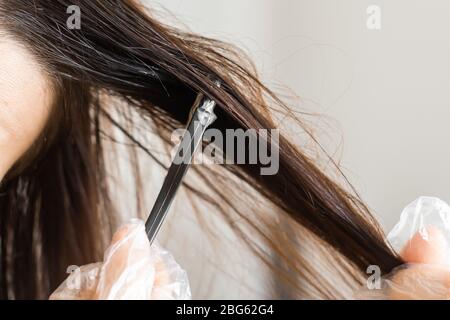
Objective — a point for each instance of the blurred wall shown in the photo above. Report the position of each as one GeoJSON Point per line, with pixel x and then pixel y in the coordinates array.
{"type": "Point", "coordinates": [384, 97]}
{"type": "Point", "coordinates": [387, 90]}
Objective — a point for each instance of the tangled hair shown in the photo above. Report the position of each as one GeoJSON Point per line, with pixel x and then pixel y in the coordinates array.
{"type": "Point", "coordinates": [56, 205]}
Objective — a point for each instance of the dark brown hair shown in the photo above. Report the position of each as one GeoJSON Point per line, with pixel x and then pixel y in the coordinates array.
{"type": "Point", "coordinates": [58, 211]}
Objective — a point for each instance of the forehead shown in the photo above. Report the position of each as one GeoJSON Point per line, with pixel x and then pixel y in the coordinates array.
{"type": "Point", "coordinates": [24, 89]}
{"type": "Point", "coordinates": [25, 101]}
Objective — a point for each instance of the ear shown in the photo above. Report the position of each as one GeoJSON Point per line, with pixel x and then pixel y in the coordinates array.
{"type": "Point", "coordinates": [427, 246]}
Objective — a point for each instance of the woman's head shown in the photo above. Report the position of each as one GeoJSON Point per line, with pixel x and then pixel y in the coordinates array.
{"type": "Point", "coordinates": [125, 72]}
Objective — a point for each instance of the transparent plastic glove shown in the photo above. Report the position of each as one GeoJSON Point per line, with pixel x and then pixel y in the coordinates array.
{"type": "Point", "coordinates": [422, 238]}
{"type": "Point", "coordinates": [131, 269]}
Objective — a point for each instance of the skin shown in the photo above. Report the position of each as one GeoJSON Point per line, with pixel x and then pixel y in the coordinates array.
{"type": "Point", "coordinates": [129, 254]}
{"type": "Point", "coordinates": [25, 102]}
{"type": "Point", "coordinates": [25, 105]}
{"type": "Point", "coordinates": [428, 275]}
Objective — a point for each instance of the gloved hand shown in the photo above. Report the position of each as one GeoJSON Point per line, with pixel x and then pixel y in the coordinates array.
{"type": "Point", "coordinates": [131, 269]}
{"type": "Point", "coordinates": [422, 240]}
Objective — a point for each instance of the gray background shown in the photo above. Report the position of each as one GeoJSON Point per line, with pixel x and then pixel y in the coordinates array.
{"type": "Point", "coordinates": [387, 91]}
{"type": "Point", "coordinates": [385, 94]}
